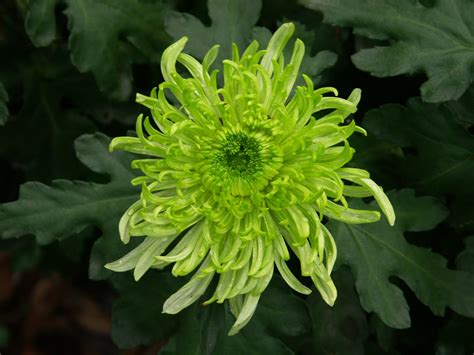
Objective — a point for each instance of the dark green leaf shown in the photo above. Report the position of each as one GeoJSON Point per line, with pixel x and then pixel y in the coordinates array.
{"type": "Point", "coordinates": [440, 152]}
{"type": "Point", "coordinates": [106, 36]}
{"type": "Point", "coordinates": [375, 252]}
{"type": "Point", "coordinates": [465, 260]}
{"type": "Point", "coordinates": [313, 64]}
{"type": "Point", "coordinates": [64, 208]}
{"type": "Point", "coordinates": [462, 110]}
{"type": "Point", "coordinates": [136, 316]}
{"type": "Point", "coordinates": [378, 157]}
{"type": "Point", "coordinates": [41, 134]}
{"type": "Point", "coordinates": [278, 325]}
{"type": "Point", "coordinates": [385, 335]}
{"type": "Point", "coordinates": [341, 329]}
{"type": "Point", "coordinates": [232, 21]}
{"type": "Point", "coordinates": [40, 22]}
{"type": "Point", "coordinates": [438, 40]}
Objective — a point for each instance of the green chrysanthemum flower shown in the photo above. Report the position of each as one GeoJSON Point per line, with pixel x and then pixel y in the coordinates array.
{"type": "Point", "coordinates": [238, 176]}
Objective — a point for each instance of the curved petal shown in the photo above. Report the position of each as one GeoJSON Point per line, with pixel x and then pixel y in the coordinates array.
{"type": "Point", "coordinates": [169, 57]}
{"type": "Point", "coordinates": [289, 278]}
{"type": "Point", "coordinates": [248, 309]}
{"type": "Point", "coordinates": [190, 292]}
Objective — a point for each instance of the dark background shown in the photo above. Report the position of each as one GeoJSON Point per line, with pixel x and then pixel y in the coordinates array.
{"type": "Point", "coordinates": [48, 305]}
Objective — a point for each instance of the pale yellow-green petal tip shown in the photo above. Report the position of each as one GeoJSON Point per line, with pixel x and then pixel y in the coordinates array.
{"type": "Point", "coordinates": [246, 312]}
{"type": "Point", "coordinates": [287, 27]}
{"type": "Point", "coordinates": [113, 144]}
{"type": "Point", "coordinates": [355, 96]}
{"type": "Point", "coordinates": [233, 331]}
{"type": "Point", "coordinates": [111, 266]}
{"type": "Point", "coordinates": [331, 296]}
{"type": "Point", "coordinates": [391, 220]}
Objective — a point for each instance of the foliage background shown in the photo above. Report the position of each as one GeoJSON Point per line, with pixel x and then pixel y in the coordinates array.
{"type": "Point", "coordinates": [68, 73]}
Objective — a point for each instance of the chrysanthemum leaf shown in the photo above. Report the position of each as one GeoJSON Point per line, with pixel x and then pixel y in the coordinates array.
{"type": "Point", "coordinates": [278, 326]}
{"type": "Point", "coordinates": [421, 131]}
{"type": "Point", "coordinates": [376, 252]}
{"type": "Point", "coordinates": [59, 210]}
{"type": "Point", "coordinates": [437, 40]}
{"type": "Point", "coordinates": [40, 22]}
{"type": "Point", "coordinates": [136, 314]}
{"type": "Point", "coordinates": [330, 324]}
{"type": "Point", "coordinates": [42, 121]}
{"type": "Point", "coordinates": [132, 31]}
{"type": "Point", "coordinates": [232, 22]}
{"type": "Point", "coordinates": [465, 260]}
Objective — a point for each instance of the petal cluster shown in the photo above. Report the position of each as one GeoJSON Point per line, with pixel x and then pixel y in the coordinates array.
{"type": "Point", "coordinates": [238, 177]}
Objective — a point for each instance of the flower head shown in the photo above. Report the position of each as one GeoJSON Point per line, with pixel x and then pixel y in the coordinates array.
{"type": "Point", "coordinates": [237, 179]}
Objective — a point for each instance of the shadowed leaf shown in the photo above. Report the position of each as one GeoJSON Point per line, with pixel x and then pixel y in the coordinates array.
{"type": "Point", "coordinates": [375, 252]}
{"type": "Point", "coordinates": [439, 151]}
{"type": "Point", "coordinates": [280, 322]}
{"type": "Point", "coordinates": [437, 40]}
{"type": "Point", "coordinates": [106, 36]}
{"type": "Point", "coordinates": [64, 208]}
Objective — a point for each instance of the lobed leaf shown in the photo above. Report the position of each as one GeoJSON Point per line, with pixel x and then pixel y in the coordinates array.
{"type": "Point", "coordinates": [342, 328]}
{"type": "Point", "coordinates": [232, 21]}
{"type": "Point", "coordinates": [439, 151]}
{"type": "Point", "coordinates": [136, 315]}
{"type": "Point", "coordinates": [40, 22]}
{"type": "Point", "coordinates": [376, 252]}
{"type": "Point", "coordinates": [40, 135]}
{"type": "Point", "coordinates": [465, 260]}
{"type": "Point", "coordinates": [437, 40]}
{"type": "Point", "coordinates": [64, 208]}
{"type": "Point", "coordinates": [106, 36]}
{"type": "Point", "coordinates": [281, 320]}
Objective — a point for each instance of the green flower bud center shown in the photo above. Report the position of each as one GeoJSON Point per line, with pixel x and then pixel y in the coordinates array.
{"type": "Point", "coordinates": [240, 155]}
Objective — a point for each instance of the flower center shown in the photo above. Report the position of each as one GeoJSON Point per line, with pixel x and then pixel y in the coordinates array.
{"type": "Point", "coordinates": [240, 155]}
